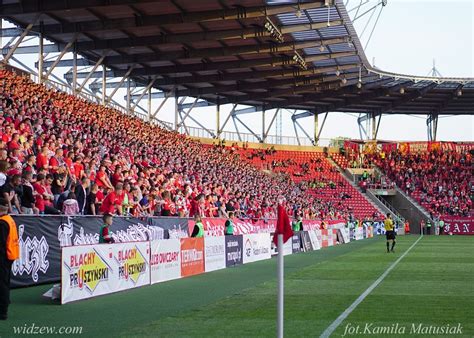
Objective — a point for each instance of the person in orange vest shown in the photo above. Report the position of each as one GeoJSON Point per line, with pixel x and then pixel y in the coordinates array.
{"type": "Point", "coordinates": [407, 227]}
{"type": "Point", "coordinates": [9, 252]}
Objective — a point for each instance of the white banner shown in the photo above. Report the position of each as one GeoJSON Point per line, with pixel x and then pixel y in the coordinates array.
{"type": "Point", "coordinates": [86, 271]}
{"type": "Point", "coordinates": [214, 253]}
{"type": "Point", "coordinates": [345, 235]}
{"type": "Point", "coordinates": [288, 247]}
{"type": "Point", "coordinates": [315, 242]}
{"type": "Point", "coordinates": [93, 270]}
{"type": "Point", "coordinates": [330, 238]}
{"type": "Point", "coordinates": [165, 260]}
{"type": "Point", "coordinates": [358, 233]}
{"type": "Point", "coordinates": [256, 247]}
{"type": "Point", "coordinates": [133, 264]}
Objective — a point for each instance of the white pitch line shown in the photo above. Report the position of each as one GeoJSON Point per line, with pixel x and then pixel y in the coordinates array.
{"type": "Point", "coordinates": [331, 328]}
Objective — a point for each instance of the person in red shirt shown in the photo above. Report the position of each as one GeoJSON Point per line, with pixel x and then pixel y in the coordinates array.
{"type": "Point", "coordinates": [7, 136]}
{"type": "Point", "coordinates": [101, 179]}
{"type": "Point", "coordinates": [167, 204]}
{"type": "Point", "coordinates": [78, 167]}
{"type": "Point", "coordinates": [112, 203]}
{"type": "Point", "coordinates": [42, 159]}
{"type": "Point", "coordinates": [117, 176]}
{"type": "Point", "coordinates": [14, 143]}
{"type": "Point", "coordinates": [40, 193]}
{"type": "Point", "coordinates": [56, 161]}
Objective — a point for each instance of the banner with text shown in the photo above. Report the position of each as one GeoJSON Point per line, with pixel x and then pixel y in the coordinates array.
{"type": "Point", "coordinates": [94, 270]}
{"type": "Point", "coordinates": [165, 260]}
{"type": "Point", "coordinates": [233, 250]}
{"type": "Point", "coordinates": [192, 256]}
{"type": "Point", "coordinates": [458, 225]}
{"type": "Point", "coordinates": [214, 250]}
{"type": "Point", "coordinates": [256, 247]}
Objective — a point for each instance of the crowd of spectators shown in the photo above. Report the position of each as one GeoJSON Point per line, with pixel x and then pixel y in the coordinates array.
{"type": "Point", "coordinates": [441, 180]}
{"type": "Point", "coordinates": [60, 154]}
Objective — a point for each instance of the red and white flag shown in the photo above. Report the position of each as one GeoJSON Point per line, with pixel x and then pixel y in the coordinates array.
{"type": "Point", "coordinates": [283, 225]}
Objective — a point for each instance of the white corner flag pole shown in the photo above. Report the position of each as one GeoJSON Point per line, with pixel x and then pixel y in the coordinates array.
{"type": "Point", "coordinates": [280, 287]}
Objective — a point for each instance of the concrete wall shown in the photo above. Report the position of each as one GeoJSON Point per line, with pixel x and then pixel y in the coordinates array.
{"type": "Point", "coordinates": [407, 210]}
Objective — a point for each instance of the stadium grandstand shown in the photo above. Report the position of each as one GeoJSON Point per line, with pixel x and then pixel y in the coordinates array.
{"type": "Point", "coordinates": [72, 150]}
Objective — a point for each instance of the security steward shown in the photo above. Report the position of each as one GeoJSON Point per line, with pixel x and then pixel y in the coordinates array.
{"type": "Point", "coordinates": [389, 232]}
{"type": "Point", "coordinates": [298, 224]}
{"type": "Point", "coordinates": [9, 252]}
{"type": "Point", "coordinates": [428, 227]}
{"type": "Point", "coordinates": [198, 231]}
{"type": "Point", "coordinates": [229, 225]}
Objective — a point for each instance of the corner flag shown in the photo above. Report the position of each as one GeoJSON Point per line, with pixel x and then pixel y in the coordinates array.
{"type": "Point", "coordinates": [283, 232]}
{"type": "Point", "coordinates": [283, 226]}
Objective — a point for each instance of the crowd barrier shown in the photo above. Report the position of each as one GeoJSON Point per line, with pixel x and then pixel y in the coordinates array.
{"type": "Point", "coordinates": [92, 270]}
{"type": "Point", "coordinates": [42, 237]}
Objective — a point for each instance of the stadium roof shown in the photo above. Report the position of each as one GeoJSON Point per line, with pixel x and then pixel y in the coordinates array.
{"type": "Point", "coordinates": [269, 54]}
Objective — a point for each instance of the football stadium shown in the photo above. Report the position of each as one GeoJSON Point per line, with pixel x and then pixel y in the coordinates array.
{"type": "Point", "coordinates": [241, 168]}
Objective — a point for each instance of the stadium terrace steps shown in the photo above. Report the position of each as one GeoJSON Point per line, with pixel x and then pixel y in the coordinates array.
{"type": "Point", "coordinates": [415, 204]}
{"type": "Point", "coordinates": [366, 196]}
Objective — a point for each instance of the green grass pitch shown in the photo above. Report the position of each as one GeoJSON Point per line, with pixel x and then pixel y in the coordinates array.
{"type": "Point", "coordinates": [432, 285]}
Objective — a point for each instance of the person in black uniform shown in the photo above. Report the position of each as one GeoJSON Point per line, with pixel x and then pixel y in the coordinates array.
{"type": "Point", "coordinates": [389, 232]}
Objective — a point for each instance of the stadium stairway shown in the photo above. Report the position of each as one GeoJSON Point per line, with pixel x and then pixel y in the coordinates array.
{"type": "Point", "coordinates": [407, 206]}
{"type": "Point", "coordinates": [378, 205]}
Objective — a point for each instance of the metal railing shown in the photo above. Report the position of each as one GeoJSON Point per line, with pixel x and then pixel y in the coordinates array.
{"type": "Point", "coordinates": [388, 206]}
{"type": "Point", "coordinates": [248, 137]}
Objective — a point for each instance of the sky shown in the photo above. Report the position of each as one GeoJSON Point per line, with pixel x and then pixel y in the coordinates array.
{"type": "Point", "coordinates": [409, 35]}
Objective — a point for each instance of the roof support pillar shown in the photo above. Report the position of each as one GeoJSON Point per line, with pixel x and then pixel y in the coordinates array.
{"type": "Point", "coordinates": [40, 58]}
{"type": "Point", "coordinates": [74, 70]}
{"type": "Point", "coordinates": [148, 104]}
{"type": "Point", "coordinates": [316, 127]}
{"type": "Point", "coordinates": [377, 127]}
{"type": "Point", "coordinates": [236, 127]}
{"type": "Point", "coordinates": [104, 83]}
{"type": "Point", "coordinates": [175, 110]}
{"type": "Point", "coordinates": [128, 95]}
{"type": "Point", "coordinates": [432, 126]}
{"type": "Point", "coordinates": [271, 123]}
{"type": "Point", "coordinates": [218, 120]}
{"type": "Point", "coordinates": [318, 136]}
{"type": "Point", "coordinates": [362, 130]}
{"type": "Point", "coordinates": [231, 114]}
{"type": "Point", "coordinates": [263, 127]}
{"type": "Point", "coordinates": [296, 132]}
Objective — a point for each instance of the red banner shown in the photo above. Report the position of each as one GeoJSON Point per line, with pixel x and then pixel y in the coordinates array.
{"type": "Point", "coordinates": [351, 146]}
{"type": "Point", "coordinates": [404, 147]}
{"type": "Point", "coordinates": [215, 226]}
{"type": "Point", "coordinates": [389, 147]}
{"type": "Point", "coordinates": [464, 146]}
{"type": "Point", "coordinates": [192, 256]}
{"type": "Point", "coordinates": [458, 225]}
